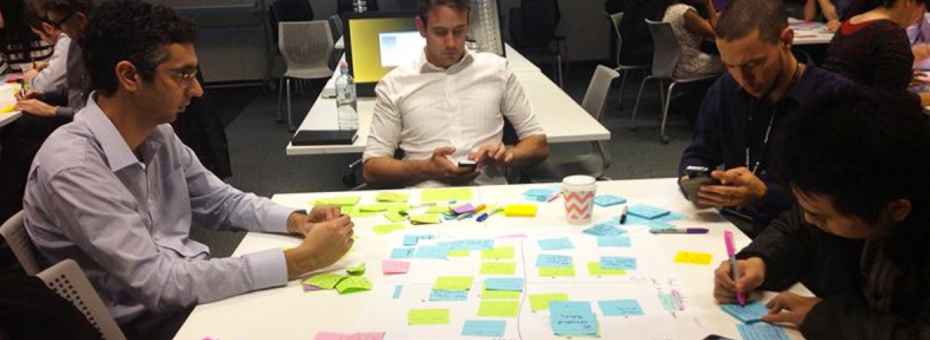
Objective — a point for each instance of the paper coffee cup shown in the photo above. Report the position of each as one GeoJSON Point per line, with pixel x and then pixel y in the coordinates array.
{"type": "Point", "coordinates": [578, 193]}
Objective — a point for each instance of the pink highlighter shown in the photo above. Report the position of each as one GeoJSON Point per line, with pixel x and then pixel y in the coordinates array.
{"type": "Point", "coordinates": [734, 269]}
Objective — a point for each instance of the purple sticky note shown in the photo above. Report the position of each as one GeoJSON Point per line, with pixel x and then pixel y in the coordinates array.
{"type": "Point", "coordinates": [464, 209]}
{"type": "Point", "coordinates": [310, 288]}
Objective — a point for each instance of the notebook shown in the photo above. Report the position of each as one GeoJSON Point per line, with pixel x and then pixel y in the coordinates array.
{"type": "Point", "coordinates": [324, 137]}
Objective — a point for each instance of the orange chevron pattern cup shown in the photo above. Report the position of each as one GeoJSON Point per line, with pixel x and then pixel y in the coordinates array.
{"type": "Point", "coordinates": [578, 193]}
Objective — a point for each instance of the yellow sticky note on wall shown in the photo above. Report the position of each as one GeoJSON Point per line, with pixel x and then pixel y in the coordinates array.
{"type": "Point", "coordinates": [693, 258]}
{"type": "Point", "coordinates": [520, 210]}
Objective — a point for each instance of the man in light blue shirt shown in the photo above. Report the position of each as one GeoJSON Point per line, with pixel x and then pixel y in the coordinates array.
{"type": "Point", "coordinates": [117, 191]}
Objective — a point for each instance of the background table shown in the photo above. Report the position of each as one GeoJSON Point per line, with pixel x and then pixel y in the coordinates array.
{"type": "Point", "coordinates": [7, 99]}
{"type": "Point", "coordinates": [288, 313]}
{"type": "Point", "coordinates": [811, 33]}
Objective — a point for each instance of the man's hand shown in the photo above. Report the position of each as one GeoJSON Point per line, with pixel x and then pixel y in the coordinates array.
{"type": "Point", "coordinates": [738, 187]}
{"type": "Point", "coordinates": [30, 74]}
{"type": "Point", "coordinates": [300, 223]}
{"type": "Point", "coordinates": [439, 167]}
{"type": "Point", "coordinates": [833, 25]}
{"type": "Point", "coordinates": [790, 308]}
{"type": "Point", "coordinates": [921, 52]}
{"type": "Point", "coordinates": [323, 245]}
{"type": "Point", "coordinates": [494, 154]}
{"type": "Point", "coordinates": [35, 107]}
{"type": "Point", "coordinates": [39, 65]}
{"type": "Point", "coordinates": [752, 275]}
{"type": "Point", "coordinates": [30, 94]}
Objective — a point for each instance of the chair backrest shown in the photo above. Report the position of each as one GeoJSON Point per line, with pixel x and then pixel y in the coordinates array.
{"type": "Point", "coordinates": [595, 99]}
{"type": "Point", "coordinates": [306, 44]}
{"type": "Point", "coordinates": [615, 20]}
{"type": "Point", "coordinates": [335, 25]}
{"type": "Point", "coordinates": [14, 232]}
{"type": "Point", "coordinates": [68, 280]}
{"type": "Point", "coordinates": [540, 18]}
{"type": "Point", "coordinates": [667, 49]}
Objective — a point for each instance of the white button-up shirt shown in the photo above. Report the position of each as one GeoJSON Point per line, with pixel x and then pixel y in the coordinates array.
{"type": "Point", "coordinates": [53, 77]}
{"type": "Point", "coordinates": [421, 107]}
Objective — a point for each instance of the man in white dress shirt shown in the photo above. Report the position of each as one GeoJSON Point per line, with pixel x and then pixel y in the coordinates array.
{"type": "Point", "coordinates": [47, 76]}
{"type": "Point", "coordinates": [449, 107]}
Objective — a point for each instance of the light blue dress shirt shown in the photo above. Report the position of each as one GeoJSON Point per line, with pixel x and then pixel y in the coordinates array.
{"type": "Point", "coordinates": [127, 222]}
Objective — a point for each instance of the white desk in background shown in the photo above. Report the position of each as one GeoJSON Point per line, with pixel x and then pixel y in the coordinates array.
{"type": "Point", "coordinates": [562, 119]}
{"type": "Point", "coordinates": [811, 33]}
{"type": "Point", "coordinates": [7, 100]}
{"type": "Point", "coordinates": [288, 313]}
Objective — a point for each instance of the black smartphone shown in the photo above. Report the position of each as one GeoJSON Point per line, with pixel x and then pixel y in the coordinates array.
{"type": "Point", "coordinates": [470, 165]}
{"type": "Point", "coordinates": [716, 337]}
{"type": "Point", "coordinates": [697, 176]}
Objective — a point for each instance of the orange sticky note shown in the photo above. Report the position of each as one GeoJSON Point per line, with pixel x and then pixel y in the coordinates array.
{"type": "Point", "coordinates": [693, 258]}
{"type": "Point", "coordinates": [520, 210]}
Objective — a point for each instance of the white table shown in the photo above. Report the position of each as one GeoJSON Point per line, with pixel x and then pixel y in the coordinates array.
{"type": "Point", "coordinates": [287, 313]}
{"type": "Point", "coordinates": [811, 33]}
{"type": "Point", "coordinates": [7, 99]}
{"type": "Point", "coordinates": [562, 119]}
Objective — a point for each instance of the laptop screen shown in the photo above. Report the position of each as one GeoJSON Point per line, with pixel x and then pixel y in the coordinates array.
{"type": "Point", "coordinates": [377, 43]}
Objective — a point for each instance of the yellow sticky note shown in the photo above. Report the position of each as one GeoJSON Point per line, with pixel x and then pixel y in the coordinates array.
{"type": "Point", "coordinates": [453, 283]}
{"type": "Point", "coordinates": [693, 258]}
{"type": "Point", "coordinates": [594, 269]}
{"type": "Point", "coordinates": [425, 219]}
{"type": "Point", "coordinates": [507, 309]}
{"type": "Point", "coordinates": [442, 209]}
{"type": "Point", "coordinates": [397, 207]}
{"type": "Point", "coordinates": [520, 210]}
{"type": "Point", "coordinates": [394, 216]}
{"type": "Point", "coordinates": [459, 253]}
{"type": "Point", "coordinates": [393, 197]}
{"type": "Point", "coordinates": [353, 284]}
{"type": "Point", "coordinates": [540, 302]}
{"type": "Point", "coordinates": [7, 109]}
{"type": "Point", "coordinates": [356, 213]}
{"type": "Point", "coordinates": [325, 281]}
{"type": "Point", "coordinates": [356, 270]}
{"type": "Point", "coordinates": [445, 195]}
{"type": "Point", "coordinates": [417, 317]}
{"type": "Point", "coordinates": [498, 268]}
{"type": "Point", "coordinates": [377, 207]}
{"type": "Point", "coordinates": [498, 253]}
{"type": "Point", "coordinates": [387, 228]}
{"type": "Point", "coordinates": [499, 295]}
{"type": "Point", "coordinates": [557, 271]}
{"type": "Point", "coordinates": [340, 201]}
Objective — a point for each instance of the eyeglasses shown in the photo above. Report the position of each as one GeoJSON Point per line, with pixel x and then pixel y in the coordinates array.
{"type": "Point", "coordinates": [185, 78]}
{"type": "Point", "coordinates": [62, 21]}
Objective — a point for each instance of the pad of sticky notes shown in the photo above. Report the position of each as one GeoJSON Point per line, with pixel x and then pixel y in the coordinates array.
{"type": "Point", "coordinates": [693, 258]}
{"type": "Point", "coordinates": [520, 210]}
{"type": "Point", "coordinates": [751, 312]}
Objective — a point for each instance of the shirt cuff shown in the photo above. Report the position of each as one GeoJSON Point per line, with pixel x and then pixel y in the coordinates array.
{"type": "Point", "coordinates": [267, 268]}
{"type": "Point", "coordinates": [64, 111]}
{"type": "Point", "coordinates": [277, 219]}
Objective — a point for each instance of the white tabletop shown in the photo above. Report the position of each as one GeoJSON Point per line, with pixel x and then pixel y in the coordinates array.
{"type": "Point", "coordinates": [7, 100]}
{"type": "Point", "coordinates": [287, 313]}
{"type": "Point", "coordinates": [811, 33]}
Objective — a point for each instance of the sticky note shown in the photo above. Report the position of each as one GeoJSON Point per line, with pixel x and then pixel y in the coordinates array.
{"type": "Point", "coordinates": [392, 197]}
{"type": "Point", "coordinates": [504, 283]}
{"type": "Point", "coordinates": [464, 209]}
{"type": "Point", "coordinates": [624, 263]}
{"type": "Point", "coordinates": [353, 284]}
{"type": "Point", "coordinates": [540, 302]}
{"type": "Point", "coordinates": [562, 243]}
{"type": "Point", "coordinates": [621, 308]}
{"type": "Point", "coordinates": [387, 228]}
{"type": "Point", "coordinates": [356, 270]}
{"type": "Point", "coordinates": [412, 240]}
{"type": "Point", "coordinates": [433, 252]}
{"type": "Point", "coordinates": [445, 195]}
{"type": "Point", "coordinates": [561, 261]}
{"type": "Point", "coordinates": [693, 258]}
{"type": "Point", "coordinates": [397, 290]}
{"type": "Point", "coordinates": [594, 269]}
{"type": "Point", "coordinates": [520, 210]}
{"type": "Point", "coordinates": [750, 313]}
{"type": "Point", "coordinates": [377, 207]}
{"type": "Point", "coordinates": [419, 317]}
{"type": "Point", "coordinates": [390, 267]}
{"type": "Point", "coordinates": [459, 253]}
{"type": "Point", "coordinates": [569, 307]}
{"type": "Point", "coordinates": [448, 295]}
{"type": "Point", "coordinates": [761, 331]}
{"type": "Point", "coordinates": [613, 241]}
{"type": "Point", "coordinates": [505, 309]}
{"type": "Point", "coordinates": [356, 213]}
{"type": "Point", "coordinates": [325, 280]}
{"type": "Point", "coordinates": [539, 194]}
{"type": "Point", "coordinates": [499, 253]}
{"type": "Point", "coordinates": [499, 295]}
{"type": "Point", "coordinates": [402, 253]}
{"type": "Point", "coordinates": [498, 268]}
{"type": "Point", "coordinates": [670, 302]}
{"type": "Point", "coordinates": [453, 283]}
{"type": "Point", "coordinates": [438, 210]}
{"type": "Point", "coordinates": [572, 318]}
{"type": "Point", "coordinates": [608, 200]}
{"type": "Point", "coordinates": [486, 328]}
{"type": "Point", "coordinates": [646, 211]}
{"type": "Point", "coordinates": [425, 219]}
{"type": "Point", "coordinates": [340, 201]}
{"type": "Point", "coordinates": [556, 271]}
{"type": "Point", "coordinates": [394, 216]}
{"type": "Point", "coordinates": [471, 244]}
{"type": "Point", "coordinates": [604, 229]}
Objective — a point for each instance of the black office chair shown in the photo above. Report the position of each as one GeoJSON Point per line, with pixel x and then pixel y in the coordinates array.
{"type": "Point", "coordinates": [533, 31]}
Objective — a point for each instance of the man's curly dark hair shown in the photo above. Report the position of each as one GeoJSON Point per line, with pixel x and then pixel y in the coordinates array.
{"type": "Point", "coordinates": [133, 31]}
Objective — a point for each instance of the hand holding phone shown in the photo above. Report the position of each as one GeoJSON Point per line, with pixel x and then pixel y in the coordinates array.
{"type": "Point", "coordinates": [697, 176]}
{"type": "Point", "coordinates": [471, 165]}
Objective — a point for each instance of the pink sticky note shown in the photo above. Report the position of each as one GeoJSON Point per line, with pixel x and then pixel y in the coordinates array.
{"type": "Point", "coordinates": [310, 288]}
{"type": "Point", "coordinates": [464, 209]}
{"type": "Point", "coordinates": [331, 336]}
{"type": "Point", "coordinates": [369, 336]}
{"type": "Point", "coordinates": [391, 267]}
{"type": "Point", "coordinates": [513, 236]}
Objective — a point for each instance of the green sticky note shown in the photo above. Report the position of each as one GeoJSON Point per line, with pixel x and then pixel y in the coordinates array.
{"type": "Point", "coordinates": [356, 270]}
{"type": "Point", "coordinates": [340, 201]}
{"type": "Point", "coordinates": [594, 269]}
{"type": "Point", "coordinates": [387, 228]}
{"type": "Point", "coordinates": [353, 284]}
{"type": "Point", "coordinates": [557, 271]}
{"type": "Point", "coordinates": [392, 197]}
{"type": "Point", "coordinates": [438, 210]}
{"type": "Point", "coordinates": [459, 253]}
{"type": "Point", "coordinates": [498, 268]}
{"type": "Point", "coordinates": [453, 283]}
{"type": "Point", "coordinates": [418, 317]}
{"type": "Point", "coordinates": [394, 216]}
{"type": "Point", "coordinates": [325, 281]}
{"type": "Point", "coordinates": [445, 195]}
{"type": "Point", "coordinates": [377, 207]}
{"type": "Point", "coordinates": [499, 295]}
{"type": "Point", "coordinates": [507, 309]}
{"type": "Point", "coordinates": [497, 253]}
{"type": "Point", "coordinates": [346, 209]}
{"type": "Point", "coordinates": [397, 207]}
{"type": "Point", "coordinates": [540, 302]}
{"type": "Point", "coordinates": [356, 213]}
{"type": "Point", "coordinates": [425, 219]}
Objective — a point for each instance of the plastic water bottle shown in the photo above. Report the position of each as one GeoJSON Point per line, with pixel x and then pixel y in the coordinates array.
{"type": "Point", "coordinates": [346, 101]}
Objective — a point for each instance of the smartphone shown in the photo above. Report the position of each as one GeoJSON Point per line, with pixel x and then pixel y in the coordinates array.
{"type": "Point", "coordinates": [697, 176]}
{"type": "Point", "coordinates": [716, 337]}
{"type": "Point", "coordinates": [471, 165]}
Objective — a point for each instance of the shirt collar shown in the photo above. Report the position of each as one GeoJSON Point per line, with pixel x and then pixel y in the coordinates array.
{"type": "Point", "coordinates": [426, 67]}
{"type": "Point", "coordinates": [117, 152]}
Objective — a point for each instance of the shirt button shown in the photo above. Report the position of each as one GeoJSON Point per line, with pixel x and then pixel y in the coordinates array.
{"type": "Point", "coordinates": [157, 236]}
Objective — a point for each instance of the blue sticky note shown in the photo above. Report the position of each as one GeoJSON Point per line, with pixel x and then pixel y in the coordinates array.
{"type": "Point", "coordinates": [488, 328]}
{"type": "Point", "coordinates": [604, 229]}
{"type": "Point", "coordinates": [448, 295]}
{"type": "Point", "coordinates": [608, 200]}
{"type": "Point", "coordinates": [397, 290]}
{"type": "Point", "coordinates": [613, 241]}
{"type": "Point", "coordinates": [625, 263]}
{"type": "Point", "coordinates": [669, 302]}
{"type": "Point", "coordinates": [633, 220]}
{"type": "Point", "coordinates": [750, 313]}
{"type": "Point", "coordinates": [556, 244]}
{"type": "Point", "coordinates": [538, 192]}
{"type": "Point", "coordinates": [560, 261]}
{"type": "Point", "coordinates": [412, 240]}
{"type": "Point", "coordinates": [572, 318]}
{"type": "Point", "coordinates": [504, 283]}
{"type": "Point", "coordinates": [470, 244]}
{"type": "Point", "coordinates": [647, 212]}
{"type": "Point", "coordinates": [621, 308]}
{"type": "Point", "coordinates": [761, 331]}
{"type": "Point", "coordinates": [402, 253]}
{"type": "Point", "coordinates": [659, 225]}
{"type": "Point", "coordinates": [433, 252]}
{"type": "Point", "coordinates": [569, 307]}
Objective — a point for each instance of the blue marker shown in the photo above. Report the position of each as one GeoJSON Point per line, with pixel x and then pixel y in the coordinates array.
{"type": "Point", "coordinates": [482, 217]}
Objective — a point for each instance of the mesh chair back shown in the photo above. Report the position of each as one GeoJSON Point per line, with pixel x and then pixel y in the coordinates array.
{"type": "Point", "coordinates": [335, 25]}
{"type": "Point", "coordinates": [14, 232]}
{"type": "Point", "coordinates": [68, 280]}
{"type": "Point", "coordinates": [594, 102]}
{"type": "Point", "coordinates": [667, 50]}
{"type": "Point", "coordinates": [306, 46]}
{"type": "Point", "coordinates": [540, 19]}
{"type": "Point", "coordinates": [615, 20]}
